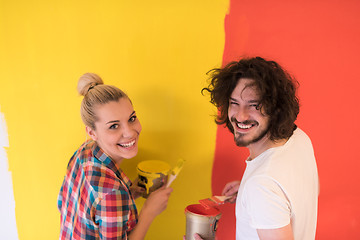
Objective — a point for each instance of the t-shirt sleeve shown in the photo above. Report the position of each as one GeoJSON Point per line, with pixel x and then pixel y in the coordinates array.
{"type": "Point", "coordinates": [266, 203]}
{"type": "Point", "coordinates": [113, 214]}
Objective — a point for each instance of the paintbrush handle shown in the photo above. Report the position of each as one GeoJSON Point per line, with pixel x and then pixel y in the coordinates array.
{"type": "Point", "coordinates": [175, 171]}
{"type": "Point", "coordinates": [170, 180]}
{"type": "Point", "coordinates": [223, 198]}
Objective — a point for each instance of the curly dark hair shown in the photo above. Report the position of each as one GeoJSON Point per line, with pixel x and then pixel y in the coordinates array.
{"type": "Point", "coordinates": [276, 88]}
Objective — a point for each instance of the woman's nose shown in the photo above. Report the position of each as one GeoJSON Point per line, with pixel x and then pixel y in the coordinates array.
{"type": "Point", "coordinates": [127, 130]}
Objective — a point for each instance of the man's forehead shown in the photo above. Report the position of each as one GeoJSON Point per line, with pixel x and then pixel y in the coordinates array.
{"type": "Point", "coordinates": [245, 88]}
{"type": "Point", "coordinates": [246, 82]}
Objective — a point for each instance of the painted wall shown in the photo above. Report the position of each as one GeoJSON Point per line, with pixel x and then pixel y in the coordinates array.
{"type": "Point", "coordinates": [157, 51]}
{"type": "Point", "coordinates": [318, 42]}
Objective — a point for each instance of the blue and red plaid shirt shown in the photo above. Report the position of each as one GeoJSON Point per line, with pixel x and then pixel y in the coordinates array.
{"type": "Point", "coordinates": [95, 201]}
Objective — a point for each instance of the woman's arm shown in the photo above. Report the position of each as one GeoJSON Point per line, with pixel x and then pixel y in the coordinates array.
{"type": "Point", "coordinates": [114, 221]}
{"type": "Point", "coordinates": [154, 205]}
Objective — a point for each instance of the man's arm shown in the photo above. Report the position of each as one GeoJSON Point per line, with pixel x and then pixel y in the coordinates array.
{"type": "Point", "coordinates": [284, 233]}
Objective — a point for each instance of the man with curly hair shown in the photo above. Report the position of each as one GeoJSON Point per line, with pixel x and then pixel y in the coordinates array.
{"type": "Point", "coordinates": [277, 197]}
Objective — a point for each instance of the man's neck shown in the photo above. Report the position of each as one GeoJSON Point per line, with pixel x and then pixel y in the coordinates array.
{"type": "Point", "coordinates": [262, 145]}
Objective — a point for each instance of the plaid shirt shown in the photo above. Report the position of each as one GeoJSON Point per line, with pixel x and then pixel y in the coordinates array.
{"type": "Point", "coordinates": [95, 201]}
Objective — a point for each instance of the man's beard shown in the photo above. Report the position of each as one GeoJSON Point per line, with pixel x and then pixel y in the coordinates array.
{"type": "Point", "coordinates": [240, 142]}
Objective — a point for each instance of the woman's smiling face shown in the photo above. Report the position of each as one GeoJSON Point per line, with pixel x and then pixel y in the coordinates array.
{"type": "Point", "coordinates": [117, 129]}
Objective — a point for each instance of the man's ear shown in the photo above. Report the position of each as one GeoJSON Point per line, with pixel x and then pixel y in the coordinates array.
{"type": "Point", "coordinates": [91, 133]}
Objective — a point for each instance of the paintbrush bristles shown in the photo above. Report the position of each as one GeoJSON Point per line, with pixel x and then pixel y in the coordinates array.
{"type": "Point", "coordinates": [213, 201]}
{"type": "Point", "coordinates": [208, 203]}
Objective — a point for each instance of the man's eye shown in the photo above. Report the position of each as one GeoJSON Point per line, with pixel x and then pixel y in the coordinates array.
{"type": "Point", "coordinates": [114, 126]}
{"type": "Point", "coordinates": [234, 103]}
{"type": "Point", "coordinates": [256, 106]}
{"type": "Point", "coordinates": [132, 119]}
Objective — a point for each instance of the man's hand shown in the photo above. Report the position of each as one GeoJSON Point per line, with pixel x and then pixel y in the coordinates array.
{"type": "Point", "coordinates": [231, 189]}
{"type": "Point", "coordinates": [196, 237]}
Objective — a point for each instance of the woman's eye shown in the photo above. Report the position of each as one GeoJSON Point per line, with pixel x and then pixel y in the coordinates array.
{"type": "Point", "coordinates": [114, 126]}
{"type": "Point", "coordinates": [132, 119]}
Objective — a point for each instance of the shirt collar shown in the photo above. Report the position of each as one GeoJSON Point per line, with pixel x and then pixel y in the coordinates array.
{"type": "Point", "coordinates": [106, 160]}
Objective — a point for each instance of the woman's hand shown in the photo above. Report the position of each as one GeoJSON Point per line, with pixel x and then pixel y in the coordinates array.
{"type": "Point", "coordinates": [136, 190]}
{"type": "Point", "coordinates": [157, 201]}
{"type": "Point", "coordinates": [153, 206]}
{"type": "Point", "coordinates": [231, 189]}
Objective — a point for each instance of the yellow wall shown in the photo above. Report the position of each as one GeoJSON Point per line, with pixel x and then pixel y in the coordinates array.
{"type": "Point", "coordinates": [157, 51]}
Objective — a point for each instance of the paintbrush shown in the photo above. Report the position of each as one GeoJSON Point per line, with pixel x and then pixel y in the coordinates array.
{"type": "Point", "coordinates": [175, 171]}
{"type": "Point", "coordinates": [214, 201]}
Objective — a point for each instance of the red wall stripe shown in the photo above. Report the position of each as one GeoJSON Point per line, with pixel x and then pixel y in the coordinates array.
{"type": "Point", "coordinates": [318, 42]}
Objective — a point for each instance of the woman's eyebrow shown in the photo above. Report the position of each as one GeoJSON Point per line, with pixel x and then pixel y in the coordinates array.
{"type": "Point", "coordinates": [113, 121]}
{"type": "Point", "coordinates": [133, 113]}
{"type": "Point", "coordinates": [116, 121]}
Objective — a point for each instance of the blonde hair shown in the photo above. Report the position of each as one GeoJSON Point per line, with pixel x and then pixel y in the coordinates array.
{"type": "Point", "coordinates": [95, 93]}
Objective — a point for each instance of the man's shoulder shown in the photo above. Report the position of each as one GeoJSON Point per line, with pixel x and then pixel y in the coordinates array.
{"type": "Point", "coordinates": [300, 137]}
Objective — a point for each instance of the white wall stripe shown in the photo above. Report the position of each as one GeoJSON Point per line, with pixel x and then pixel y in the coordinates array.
{"type": "Point", "coordinates": [8, 230]}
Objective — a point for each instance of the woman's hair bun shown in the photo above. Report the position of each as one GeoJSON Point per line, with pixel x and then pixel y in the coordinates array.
{"type": "Point", "coordinates": [87, 81]}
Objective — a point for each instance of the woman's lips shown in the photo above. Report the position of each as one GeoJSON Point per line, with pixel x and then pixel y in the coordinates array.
{"type": "Point", "coordinates": [128, 144]}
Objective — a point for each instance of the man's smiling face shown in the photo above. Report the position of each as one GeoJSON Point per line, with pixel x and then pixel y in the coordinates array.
{"type": "Point", "coordinates": [250, 124]}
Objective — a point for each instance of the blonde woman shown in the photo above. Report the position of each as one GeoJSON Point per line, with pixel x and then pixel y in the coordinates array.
{"type": "Point", "coordinates": [96, 199]}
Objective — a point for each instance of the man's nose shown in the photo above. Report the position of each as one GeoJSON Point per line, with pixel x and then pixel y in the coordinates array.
{"type": "Point", "coordinates": [241, 115]}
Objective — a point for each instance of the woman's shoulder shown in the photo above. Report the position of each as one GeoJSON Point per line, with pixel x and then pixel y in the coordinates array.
{"type": "Point", "coordinates": [100, 177]}
{"type": "Point", "coordinates": [96, 168]}
{"type": "Point", "coordinates": [85, 150]}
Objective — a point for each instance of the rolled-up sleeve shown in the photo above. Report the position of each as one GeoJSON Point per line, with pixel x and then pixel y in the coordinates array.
{"type": "Point", "coordinates": [113, 215]}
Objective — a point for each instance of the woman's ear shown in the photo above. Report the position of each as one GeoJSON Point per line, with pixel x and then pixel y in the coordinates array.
{"type": "Point", "coordinates": [91, 133]}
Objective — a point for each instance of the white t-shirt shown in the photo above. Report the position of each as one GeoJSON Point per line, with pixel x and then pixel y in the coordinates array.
{"type": "Point", "coordinates": [279, 187]}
